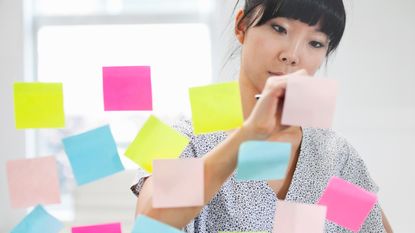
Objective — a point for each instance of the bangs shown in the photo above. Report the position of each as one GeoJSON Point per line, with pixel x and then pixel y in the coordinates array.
{"type": "Point", "coordinates": [329, 15]}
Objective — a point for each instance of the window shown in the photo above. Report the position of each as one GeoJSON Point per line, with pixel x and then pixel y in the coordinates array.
{"type": "Point", "coordinates": [73, 50]}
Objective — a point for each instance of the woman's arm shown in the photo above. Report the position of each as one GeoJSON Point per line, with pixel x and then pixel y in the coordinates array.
{"type": "Point", "coordinates": [219, 165]}
{"type": "Point", "coordinates": [386, 224]}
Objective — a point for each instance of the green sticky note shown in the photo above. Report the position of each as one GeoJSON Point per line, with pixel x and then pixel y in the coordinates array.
{"type": "Point", "coordinates": [216, 107]}
{"type": "Point", "coordinates": [38, 105]}
{"type": "Point", "coordinates": [155, 140]}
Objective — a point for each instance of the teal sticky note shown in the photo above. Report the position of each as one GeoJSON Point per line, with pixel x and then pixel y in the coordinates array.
{"type": "Point", "coordinates": [262, 160]}
{"type": "Point", "coordinates": [144, 224]}
{"type": "Point", "coordinates": [93, 155]}
{"type": "Point", "coordinates": [38, 221]}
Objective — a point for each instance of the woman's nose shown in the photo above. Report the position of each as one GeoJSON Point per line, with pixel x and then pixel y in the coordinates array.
{"type": "Point", "coordinates": [290, 54]}
{"type": "Point", "coordinates": [289, 58]}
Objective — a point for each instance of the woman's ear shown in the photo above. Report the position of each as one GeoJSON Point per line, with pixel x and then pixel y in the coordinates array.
{"type": "Point", "coordinates": [240, 27]}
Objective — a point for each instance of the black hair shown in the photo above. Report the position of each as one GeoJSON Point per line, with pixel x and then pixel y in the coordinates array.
{"type": "Point", "coordinates": [330, 15]}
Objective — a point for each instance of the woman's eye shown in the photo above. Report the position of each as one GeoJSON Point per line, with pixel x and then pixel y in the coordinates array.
{"type": "Point", "coordinates": [316, 44]}
{"type": "Point", "coordinates": [279, 29]}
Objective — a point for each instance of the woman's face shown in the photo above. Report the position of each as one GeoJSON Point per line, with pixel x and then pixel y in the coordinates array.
{"type": "Point", "coordinates": [278, 47]}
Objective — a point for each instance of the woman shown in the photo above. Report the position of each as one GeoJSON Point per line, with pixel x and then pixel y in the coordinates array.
{"type": "Point", "coordinates": [279, 39]}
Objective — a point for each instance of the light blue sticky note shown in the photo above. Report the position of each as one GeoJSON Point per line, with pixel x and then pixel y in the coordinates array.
{"type": "Point", "coordinates": [93, 155]}
{"type": "Point", "coordinates": [262, 160]}
{"type": "Point", "coordinates": [38, 221]}
{"type": "Point", "coordinates": [144, 224]}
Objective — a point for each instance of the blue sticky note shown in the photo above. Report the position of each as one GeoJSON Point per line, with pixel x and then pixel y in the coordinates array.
{"type": "Point", "coordinates": [144, 224]}
{"type": "Point", "coordinates": [38, 221]}
{"type": "Point", "coordinates": [93, 155]}
{"type": "Point", "coordinates": [262, 160]}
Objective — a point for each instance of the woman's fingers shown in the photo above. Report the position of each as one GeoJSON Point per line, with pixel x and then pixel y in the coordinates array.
{"type": "Point", "coordinates": [263, 119]}
{"type": "Point", "coordinates": [300, 72]}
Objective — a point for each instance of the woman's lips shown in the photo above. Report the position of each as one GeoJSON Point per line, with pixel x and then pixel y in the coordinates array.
{"type": "Point", "coordinates": [275, 73]}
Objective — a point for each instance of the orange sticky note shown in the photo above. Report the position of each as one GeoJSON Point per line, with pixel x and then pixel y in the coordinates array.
{"type": "Point", "coordinates": [33, 181]}
{"type": "Point", "coordinates": [178, 183]}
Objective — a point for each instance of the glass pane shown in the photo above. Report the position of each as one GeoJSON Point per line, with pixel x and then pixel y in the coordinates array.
{"type": "Point", "coordinates": [84, 7]}
{"type": "Point", "coordinates": [179, 56]}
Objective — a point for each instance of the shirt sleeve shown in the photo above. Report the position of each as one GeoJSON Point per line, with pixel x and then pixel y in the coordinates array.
{"type": "Point", "coordinates": [355, 171]}
{"type": "Point", "coordinates": [184, 127]}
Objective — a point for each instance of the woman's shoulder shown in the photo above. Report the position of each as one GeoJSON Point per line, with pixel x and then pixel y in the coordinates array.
{"type": "Point", "coordinates": [327, 145]}
{"type": "Point", "coordinates": [202, 142]}
{"type": "Point", "coordinates": [183, 125]}
{"type": "Point", "coordinates": [325, 138]}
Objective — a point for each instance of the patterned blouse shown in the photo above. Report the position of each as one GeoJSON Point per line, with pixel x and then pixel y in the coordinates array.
{"type": "Point", "coordinates": [251, 205]}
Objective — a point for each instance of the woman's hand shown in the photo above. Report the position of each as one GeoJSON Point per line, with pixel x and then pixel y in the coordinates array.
{"type": "Point", "coordinates": [265, 118]}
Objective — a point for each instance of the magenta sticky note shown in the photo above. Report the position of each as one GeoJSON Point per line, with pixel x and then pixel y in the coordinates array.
{"type": "Point", "coordinates": [127, 88]}
{"type": "Point", "coordinates": [102, 228]}
{"type": "Point", "coordinates": [178, 183]}
{"type": "Point", "coordinates": [291, 217]}
{"type": "Point", "coordinates": [309, 102]}
{"type": "Point", "coordinates": [348, 205]}
{"type": "Point", "coordinates": [33, 181]}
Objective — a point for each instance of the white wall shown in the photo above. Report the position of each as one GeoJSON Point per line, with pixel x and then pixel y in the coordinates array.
{"type": "Point", "coordinates": [12, 142]}
{"type": "Point", "coordinates": [376, 107]}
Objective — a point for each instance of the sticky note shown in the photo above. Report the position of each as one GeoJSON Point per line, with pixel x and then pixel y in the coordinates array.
{"type": "Point", "coordinates": [293, 217]}
{"type": "Point", "coordinates": [309, 102]}
{"type": "Point", "coordinates": [156, 140]}
{"type": "Point", "coordinates": [348, 205]}
{"type": "Point", "coordinates": [93, 155]}
{"type": "Point", "coordinates": [38, 105]}
{"type": "Point", "coordinates": [262, 160]}
{"type": "Point", "coordinates": [127, 88]}
{"type": "Point", "coordinates": [38, 221]}
{"type": "Point", "coordinates": [216, 107]}
{"type": "Point", "coordinates": [102, 228]}
{"type": "Point", "coordinates": [33, 181]}
{"type": "Point", "coordinates": [243, 232]}
{"type": "Point", "coordinates": [144, 224]}
{"type": "Point", "coordinates": [178, 183]}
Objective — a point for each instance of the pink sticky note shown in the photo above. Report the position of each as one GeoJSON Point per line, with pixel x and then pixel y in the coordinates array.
{"type": "Point", "coordinates": [309, 102]}
{"type": "Point", "coordinates": [102, 228]}
{"type": "Point", "coordinates": [348, 205]}
{"type": "Point", "coordinates": [293, 217]}
{"type": "Point", "coordinates": [33, 181]}
{"type": "Point", "coordinates": [178, 183]}
{"type": "Point", "coordinates": [127, 88]}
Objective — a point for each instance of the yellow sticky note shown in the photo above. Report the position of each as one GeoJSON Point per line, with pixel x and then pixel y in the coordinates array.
{"type": "Point", "coordinates": [216, 107]}
{"type": "Point", "coordinates": [156, 140]}
{"type": "Point", "coordinates": [38, 105]}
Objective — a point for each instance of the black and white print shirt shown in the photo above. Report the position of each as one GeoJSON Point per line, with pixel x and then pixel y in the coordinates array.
{"type": "Point", "coordinates": [251, 205]}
